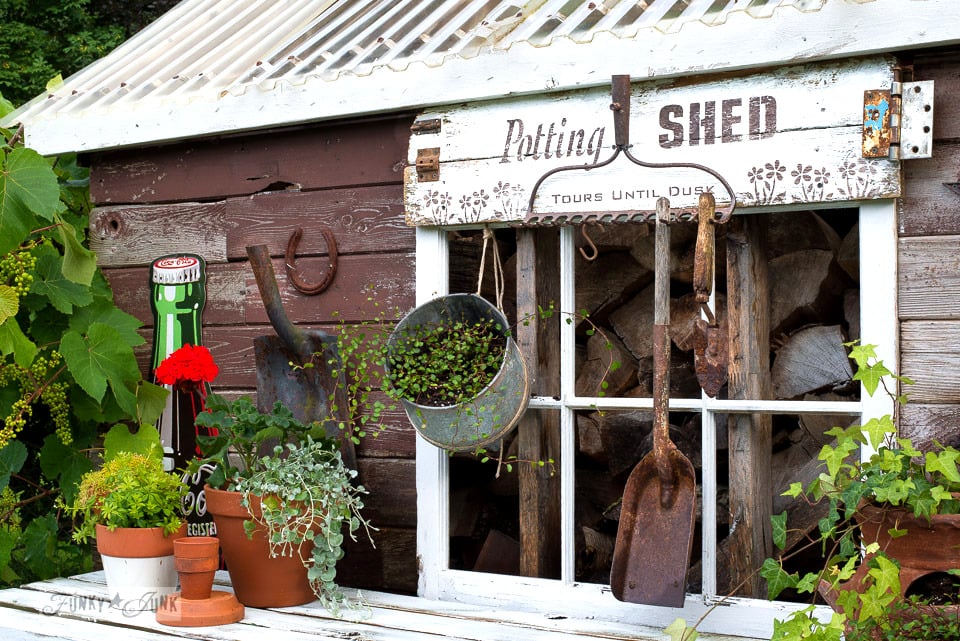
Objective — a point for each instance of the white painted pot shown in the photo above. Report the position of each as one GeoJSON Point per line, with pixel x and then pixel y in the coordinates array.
{"type": "Point", "coordinates": [139, 566]}
{"type": "Point", "coordinates": [137, 585]}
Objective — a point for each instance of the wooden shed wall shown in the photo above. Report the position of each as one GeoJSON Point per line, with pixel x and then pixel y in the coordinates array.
{"type": "Point", "coordinates": [214, 198]}
{"type": "Point", "coordinates": [929, 266]}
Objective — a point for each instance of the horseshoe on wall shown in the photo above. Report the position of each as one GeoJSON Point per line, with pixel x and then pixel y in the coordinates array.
{"type": "Point", "coordinates": [290, 262]}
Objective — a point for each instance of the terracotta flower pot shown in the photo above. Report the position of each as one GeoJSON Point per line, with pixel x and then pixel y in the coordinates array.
{"type": "Point", "coordinates": [197, 604]}
{"type": "Point", "coordinates": [138, 564]}
{"type": "Point", "coordinates": [929, 547]}
{"type": "Point", "coordinates": [259, 580]}
{"type": "Point", "coordinates": [196, 559]}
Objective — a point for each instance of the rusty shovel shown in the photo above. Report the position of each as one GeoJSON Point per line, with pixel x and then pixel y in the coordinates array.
{"type": "Point", "coordinates": [313, 394]}
{"type": "Point", "coordinates": [657, 514]}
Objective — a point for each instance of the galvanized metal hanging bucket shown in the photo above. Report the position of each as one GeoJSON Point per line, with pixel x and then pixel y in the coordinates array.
{"type": "Point", "coordinates": [491, 414]}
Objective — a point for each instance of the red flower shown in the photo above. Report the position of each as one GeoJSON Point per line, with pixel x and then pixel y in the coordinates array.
{"type": "Point", "coordinates": [189, 364]}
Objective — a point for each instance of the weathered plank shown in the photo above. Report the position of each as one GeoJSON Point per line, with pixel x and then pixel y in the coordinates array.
{"type": "Point", "coordinates": [749, 435]}
{"type": "Point", "coordinates": [928, 207]}
{"type": "Point", "coordinates": [369, 152]}
{"type": "Point", "coordinates": [539, 432]}
{"type": "Point", "coordinates": [362, 219]}
{"type": "Point", "coordinates": [392, 566]}
{"type": "Point", "coordinates": [929, 278]}
{"type": "Point", "coordinates": [944, 69]}
{"type": "Point", "coordinates": [930, 351]}
{"type": "Point", "coordinates": [392, 485]}
{"type": "Point", "coordinates": [366, 285]}
{"type": "Point", "coordinates": [136, 235]}
{"type": "Point", "coordinates": [383, 617]}
{"type": "Point", "coordinates": [926, 424]}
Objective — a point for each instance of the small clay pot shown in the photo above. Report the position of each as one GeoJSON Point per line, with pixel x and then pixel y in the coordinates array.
{"type": "Point", "coordinates": [196, 559]}
{"type": "Point", "coordinates": [198, 604]}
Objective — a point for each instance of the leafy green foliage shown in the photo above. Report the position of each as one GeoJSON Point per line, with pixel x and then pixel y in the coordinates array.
{"type": "Point", "coordinates": [909, 619]}
{"type": "Point", "coordinates": [305, 492]}
{"type": "Point", "coordinates": [242, 431]}
{"type": "Point", "coordinates": [445, 363]}
{"type": "Point", "coordinates": [42, 39]}
{"type": "Point", "coordinates": [28, 193]}
{"type": "Point", "coordinates": [895, 475]}
{"type": "Point", "coordinates": [130, 490]}
{"type": "Point", "coordinates": [804, 626]}
{"type": "Point", "coordinates": [680, 631]}
{"type": "Point", "coordinates": [67, 368]}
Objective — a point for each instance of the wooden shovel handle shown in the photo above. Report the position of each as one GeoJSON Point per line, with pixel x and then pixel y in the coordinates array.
{"type": "Point", "coordinates": [703, 257]}
{"type": "Point", "coordinates": [662, 446]}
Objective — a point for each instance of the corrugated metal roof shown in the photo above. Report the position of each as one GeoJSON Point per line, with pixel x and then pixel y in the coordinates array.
{"type": "Point", "coordinates": [192, 62]}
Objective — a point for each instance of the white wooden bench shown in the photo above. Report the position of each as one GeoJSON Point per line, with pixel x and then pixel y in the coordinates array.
{"type": "Point", "coordinates": [78, 608]}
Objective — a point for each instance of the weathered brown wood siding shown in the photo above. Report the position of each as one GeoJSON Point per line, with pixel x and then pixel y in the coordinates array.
{"type": "Point", "coordinates": [929, 266]}
{"type": "Point", "coordinates": [214, 198]}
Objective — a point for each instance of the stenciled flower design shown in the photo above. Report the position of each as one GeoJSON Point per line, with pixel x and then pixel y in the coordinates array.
{"type": "Point", "coordinates": [438, 203]}
{"type": "Point", "coordinates": [801, 174]}
{"type": "Point", "coordinates": [775, 170]}
{"type": "Point", "coordinates": [473, 204]}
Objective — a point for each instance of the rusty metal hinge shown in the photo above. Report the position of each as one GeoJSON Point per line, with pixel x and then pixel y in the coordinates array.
{"type": "Point", "coordinates": [898, 122]}
{"type": "Point", "coordinates": [428, 165]}
{"type": "Point", "coordinates": [428, 126]}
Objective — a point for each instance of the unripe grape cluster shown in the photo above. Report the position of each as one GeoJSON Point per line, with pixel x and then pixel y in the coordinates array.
{"type": "Point", "coordinates": [37, 378]}
{"type": "Point", "coordinates": [16, 270]}
{"type": "Point", "coordinates": [9, 509]}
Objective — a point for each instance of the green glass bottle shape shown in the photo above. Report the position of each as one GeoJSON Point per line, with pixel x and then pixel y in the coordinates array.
{"type": "Point", "coordinates": [178, 294]}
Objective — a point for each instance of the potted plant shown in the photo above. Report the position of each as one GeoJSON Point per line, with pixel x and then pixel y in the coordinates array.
{"type": "Point", "coordinates": [133, 509]}
{"type": "Point", "coordinates": [282, 501]}
{"type": "Point", "coordinates": [892, 518]}
{"type": "Point", "coordinates": [454, 366]}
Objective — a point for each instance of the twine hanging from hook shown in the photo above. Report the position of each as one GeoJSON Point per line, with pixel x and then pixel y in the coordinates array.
{"type": "Point", "coordinates": [498, 279]}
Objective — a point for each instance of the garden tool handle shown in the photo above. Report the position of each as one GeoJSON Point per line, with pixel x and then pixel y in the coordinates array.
{"type": "Point", "coordinates": [290, 334]}
{"type": "Point", "coordinates": [662, 445]}
{"type": "Point", "coordinates": [705, 252]}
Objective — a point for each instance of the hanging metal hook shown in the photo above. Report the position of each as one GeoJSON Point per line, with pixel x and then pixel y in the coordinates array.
{"type": "Point", "coordinates": [290, 263]}
{"type": "Point", "coordinates": [594, 252]}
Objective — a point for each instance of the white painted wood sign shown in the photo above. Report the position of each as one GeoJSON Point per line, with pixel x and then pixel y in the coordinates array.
{"type": "Point", "coordinates": [786, 137]}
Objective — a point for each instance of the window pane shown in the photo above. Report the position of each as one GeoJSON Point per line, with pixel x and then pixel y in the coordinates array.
{"type": "Point", "coordinates": [610, 446]}
{"type": "Point", "coordinates": [488, 528]}
{"type": "Point", "coordinates": [796, 442]}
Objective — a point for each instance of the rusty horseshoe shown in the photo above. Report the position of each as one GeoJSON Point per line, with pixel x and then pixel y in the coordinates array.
{"type": "Point", "coordinates": [291, 266]}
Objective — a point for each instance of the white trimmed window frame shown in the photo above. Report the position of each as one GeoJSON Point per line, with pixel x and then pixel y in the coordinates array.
{"type": "Point", "coordinates": [741, 616]}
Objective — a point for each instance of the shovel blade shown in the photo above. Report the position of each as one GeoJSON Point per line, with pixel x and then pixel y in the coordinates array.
{"type": "Point", "coordinates": [305, 392]}
{"type": "Point", "coordinates": [654, 541]}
